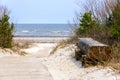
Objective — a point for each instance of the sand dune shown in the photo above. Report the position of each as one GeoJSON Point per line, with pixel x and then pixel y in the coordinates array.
{"type": "Point", "coordinates": [62, 65]}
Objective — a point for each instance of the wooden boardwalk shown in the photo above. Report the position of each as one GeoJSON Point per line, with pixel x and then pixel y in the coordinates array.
{"type": "Point", "coordinates": [23, 68]}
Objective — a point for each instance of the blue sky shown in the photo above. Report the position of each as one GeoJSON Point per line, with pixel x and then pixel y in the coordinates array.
{"type": "Point", "coordinates": [41, 11]}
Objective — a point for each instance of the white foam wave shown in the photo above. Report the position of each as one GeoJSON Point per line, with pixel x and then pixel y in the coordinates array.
{"type": "Point", "coordinates": [25, 31]}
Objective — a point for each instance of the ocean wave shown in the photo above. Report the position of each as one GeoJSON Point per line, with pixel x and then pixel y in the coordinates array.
{"type": "Point", "coordinates": [25, 31]}
{"type": "Point", "coordinates": [42, 30]}
{"type": "Point", "coordinates": [43, 33]}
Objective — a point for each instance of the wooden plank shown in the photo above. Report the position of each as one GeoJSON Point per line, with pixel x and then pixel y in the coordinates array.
{"type": "Point", "coordinates": [94, 49]}
{"type": "Point", "coordinates": [23, 68]}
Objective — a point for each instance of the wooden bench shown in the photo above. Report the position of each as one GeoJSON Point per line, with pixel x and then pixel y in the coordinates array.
{"type": "Point", "coordinates": [92, 51]}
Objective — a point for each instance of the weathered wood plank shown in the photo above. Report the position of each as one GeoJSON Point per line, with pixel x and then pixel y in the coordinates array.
{"type": "Point", "coordinates": [23, 68]}
{"type": "Point", "coordinates": [94, 49]}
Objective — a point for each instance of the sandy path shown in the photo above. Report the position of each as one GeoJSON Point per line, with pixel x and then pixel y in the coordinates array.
{"type": "Point", "coordinates": [29, 67]}
{"type": "Point", "coordinates": [14, 67]}
{"type": "Point", "coordinates": [40, 50]}
{"type": "Point", "coordinates": [61, 66]}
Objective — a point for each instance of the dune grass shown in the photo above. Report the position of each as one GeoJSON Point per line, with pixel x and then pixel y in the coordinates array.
{"type": "Point", "coordinates": [17, 46]}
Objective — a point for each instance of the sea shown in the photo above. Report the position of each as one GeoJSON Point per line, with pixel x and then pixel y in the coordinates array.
{"type": "Point", "coordinates": [42, 30]}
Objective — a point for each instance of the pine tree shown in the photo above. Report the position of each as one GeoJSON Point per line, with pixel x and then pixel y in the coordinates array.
{"type": "Point", "coordinates": [6, 32]}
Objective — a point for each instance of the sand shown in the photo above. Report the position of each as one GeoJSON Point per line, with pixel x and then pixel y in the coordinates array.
{"type": "Point", "coordinates": [63, 66]}
{"type": "Point", "coordinates": [39, 39]}
{"type": "Point", "coordinates": [40, 50]}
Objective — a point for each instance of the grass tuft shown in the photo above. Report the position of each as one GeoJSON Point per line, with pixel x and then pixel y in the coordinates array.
{"type": "Point", "coordinates": [18, 46]}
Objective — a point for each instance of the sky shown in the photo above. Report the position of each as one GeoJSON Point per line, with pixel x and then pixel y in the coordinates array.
{"type": "Point", "coordinates": [41, 11]}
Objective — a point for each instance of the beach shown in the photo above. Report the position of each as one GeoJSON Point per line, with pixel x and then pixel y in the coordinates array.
{"type": "Point", "coordinates": [39, 39]}
{"type": "Point", "coordinates": [61, 64]}
{"type": "Point", "coordinates": [60, 40]}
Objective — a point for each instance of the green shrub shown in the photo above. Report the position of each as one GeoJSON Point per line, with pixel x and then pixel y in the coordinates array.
{"type": "Point", "coordinates": [115, 31]}
{"type": "Point", "coordinates": [85, 24]}
{"type": "Point", "coordinates": [6, 32]}
{"type": "Point", "coordinates": [113, 21]}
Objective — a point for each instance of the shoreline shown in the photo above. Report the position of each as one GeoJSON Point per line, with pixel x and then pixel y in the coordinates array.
{"type": "Point", "coordinates": [39, 39]}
